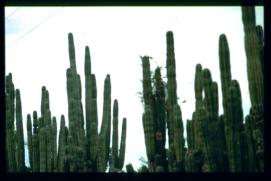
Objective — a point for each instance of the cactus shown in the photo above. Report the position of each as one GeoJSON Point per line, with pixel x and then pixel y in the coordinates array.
{"type": "Point", "coordinates": [159, 115]}
{"type": "Point", "coordinates": [210, 126]}
{"type": "Point", "coordinates": [149, 136]}
{"type": "Point", "coordinates": [46, 127]}
{"type": "Point", "coordinates": [43, 150]}
{"type": "Point", "coordinates": [104, 135]}
{"type": "Point", "coordinates": [54, 145]}
{"type": "Point", "coordinates": [225, 67]}
{"type": "Point", "coordinates": [10, 131]}
{"type": "Point", "coordinates": [88, 97]}
{"type": "Point", "coordinates": [29, 140]}
{"type": "Point", "coordinates": [147, 118]}
{"type": "Point", "coordinates": [252, 48]}
{"type": "Point", "coordinates": [118, 156]}
{"type": "Point", "coordinates": [20, 133]}
{"type": "Point", "coordinates": [35, 142]}
{"type": "Point", "coordinates": [171, 84]}
{"type": "Point", "coordinates": [93, 123]}
{"type": "Point", "coordinates": [62, 146]}
{"type": "Point", "coordinates": [198, 86]}
{"type": "Point", "coordinates": [178, 139]}
{"type": "Point", "coordinates": [233, 123]}
{"type": "Point", "coordinates": [252, 162]}
{"type": "Point", "coordinates": [155, 108]}
{"type": "Point", "coordinates": [232, 106]}
{"type": "Point", "coordinates": [171, 102]}
{"type": "Point", "coordinates": [259, 31]}
{"type": "Point", "coordinates": [254, 54]}
{"type": "Point", "coordinates": [75, 113]}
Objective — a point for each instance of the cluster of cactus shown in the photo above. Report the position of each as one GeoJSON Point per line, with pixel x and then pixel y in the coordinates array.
{"type": "Point", "coordinates": [14, 138]}
{"type": "Point", "coordinates": [79, 149]}
{"type": "Point", "coordinates": [205, 134]}
{"type": "Point", "coordinates": [161, 111]}
{"type": "Point", "coordinates": [254, 122]}
{"type": "Point", "coordinates": [216, 143]}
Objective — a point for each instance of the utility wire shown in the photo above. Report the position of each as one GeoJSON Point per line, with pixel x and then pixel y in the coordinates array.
{"type": "Point", "coordinates": [12, 13]}
{"type": "Point", "coordinates": [47, 18]}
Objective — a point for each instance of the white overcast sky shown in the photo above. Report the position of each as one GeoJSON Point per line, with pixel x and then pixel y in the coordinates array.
{"type": "Point", "coordinates": [37, 55]}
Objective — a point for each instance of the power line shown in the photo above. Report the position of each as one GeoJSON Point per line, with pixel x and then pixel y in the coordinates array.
{"type": "Point", "coordinates": [50, 16]}
{"type": "Point", "coordinates": [12, 13]}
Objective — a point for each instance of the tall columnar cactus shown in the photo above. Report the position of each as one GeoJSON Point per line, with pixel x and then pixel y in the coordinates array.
{"type": "Point", "coordinates": [172, 94]}
{"type": "Point", "coordinates": [225, 67]}
{"type": "Point", "coordinates": [147, 118]}
{"type": "Point", "coordinates": [208, 124]}
{"type": "Point", "coordinates": [171, 83]}
{"type": "Point", "coordinates": [118, 154]}
{"type": "Point", "coordinates": [93, 126]}
{"type": "Point", "coordinates": [178, 139]}
{"type": "Point", "coordinates": [54, 145]}
{"type": "Point", "coordinates": [43, 150]}
{"type": "Point", "coordinates": [46, 126]}
{"type": "Point", "coordinates": [62, 147]}
{"type": "Point", "coordinates": [253, 50]}
{"type": "Point", "coordinates": [29, 141]}
{"type": "Point", "coordinates": [104, 135]}
{"type": "Point", "coordinates": [148, 126]}
{"type": "Point", "coordinates": [194, 156]}
{"type": "Point", "coordinates": [154, 116]}
{"type": "Point", "coordinates": [20, 133]}
{"type": "Point", "coordinates": [232, 105]}
{"type": "Point", "coordinates": [88, 97]}
{"type": "Point", "coordinates": [159, 115]}
{"type": "Point", "coordinates": [10, 131]}
{"type": "Point", "coordinates": [147, 87]}
{"type": "Point", "coordinates": [75, 113]}
{"type": "Point", "coordinates": [198, 86]}
{"type": "Point", "coordinates": [233, 125]}
{"type": "Point", "coordinates": [35, 143]}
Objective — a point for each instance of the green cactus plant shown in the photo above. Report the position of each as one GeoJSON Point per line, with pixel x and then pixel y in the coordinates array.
{"type": "Point", "coordinates": [20, 133]}
{"type": "Point", "coordinates": [54, 144]}
{"type": "Point", "coordinates": [178, 139]}
{"type": "Point", "coordinates": [42, 148]}
{"type": "Point", "coordinates": [10, 119]}
{"type": "Point", "coordinates": [35, 142]}
{"type": "Point", "coordinates": [254, 54]}
{"type": "Point", "coordinates": [75, 113]}
{"type": "Point", "coordinates": [29, 141]}
{"type": "Point", "coordinates": [259, 31]}
{"type": "Point", "coordinates": [62, 146]}
{"type": "Point", "coordinates": [118, 154]}
{"type": "Point", "coordinates": [252, 49]}
{"type": "Point", "coordinates": [104, 135]}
